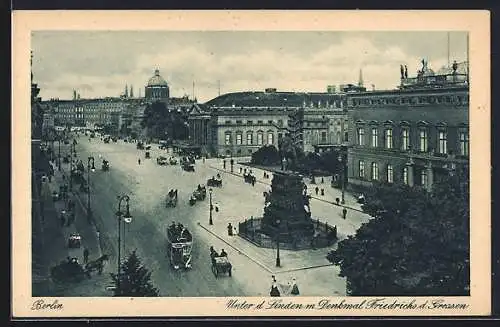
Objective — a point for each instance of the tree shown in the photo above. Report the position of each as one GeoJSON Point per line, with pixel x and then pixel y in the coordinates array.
{"type": "Point", "coordinates": [161, 121]}
{"type": "Point", "coordinates": [134, 279]}
{"type": "Point", "coordinates": [267, 155]}
{"type": "Point", "coordinates": [417, 243]}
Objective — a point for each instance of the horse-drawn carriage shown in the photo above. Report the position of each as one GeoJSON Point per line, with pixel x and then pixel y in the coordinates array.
{"type": "Point", "coordinates": [70, 270]}
{"type": "Point", "coordinates": [249, 178]}
{"type": "Point", "coordinates": [200, 193]}
{"type": "Point", "coordinates": [220, 263]}
{"type": "Point", "coordinates": [74, 241]}
{"type": "Point", "coordinates": [187, 166]}
{"type": "Point", "coordinates": [171, 199]}
{"type": "Point", "coordinates": [161, 160]}
{"type": "Point", "coordinates": [215, 181]}
{"type": "Point", "coordinates": [172, 161]}
{"type": "Point", "coordinates": [105, 165]}
{"type": "Point", "coordinates": [180, 244]}
{"type": "Point", "coordinates": [140, 146]}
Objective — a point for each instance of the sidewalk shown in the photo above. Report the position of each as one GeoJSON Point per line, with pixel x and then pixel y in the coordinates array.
{"type": "Point", "coordinates": [56, 236]}
{"type": "Point", "coordinates": [330, 193]}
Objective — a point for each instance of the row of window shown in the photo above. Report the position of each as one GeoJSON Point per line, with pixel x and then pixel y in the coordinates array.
{"type": "Point", "coordinates": [389, 173]}
{"type": "Point", "coordinates": [413, 100]}
{"type": "Point", "coordinates": [249, 138]}
{"type": "Point", "coordinates": [250, 122]}
{"type": "Point", "coordinates": [423, 140]}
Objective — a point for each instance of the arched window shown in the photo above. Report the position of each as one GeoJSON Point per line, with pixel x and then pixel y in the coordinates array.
{"type": "Point", "coordinates": [260, 137]}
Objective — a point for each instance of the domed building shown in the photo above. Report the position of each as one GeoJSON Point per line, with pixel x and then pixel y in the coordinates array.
{"type": "Point", "coordinates": [157, 88]}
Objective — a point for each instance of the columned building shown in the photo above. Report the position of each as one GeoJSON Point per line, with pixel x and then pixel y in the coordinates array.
{"type": "Point", "coordinates": [415, 134]}
{"type": "Point", "coordinates": [238, 124]}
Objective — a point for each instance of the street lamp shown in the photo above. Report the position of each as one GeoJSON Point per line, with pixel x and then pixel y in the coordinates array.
{"type": "Point", "coordinates": [210, 221]}
{"type": "Point", "coordinates": [127, 218]}
{"type": "Point", "coordinates": [89, 167]}
{"type": "Point", "coordinates": [278, 261]}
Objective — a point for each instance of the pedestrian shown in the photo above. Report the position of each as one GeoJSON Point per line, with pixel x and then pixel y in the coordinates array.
{"type": "Point", "coordinates": [295, 288]}
{"type": "Point", "coordinates": [344, 213]}
{"type": "Point", "coordinates": [63, 220]}
{"type": "Point", "coordinates": [240, 169]}
{"type": "Point", "coordinates": [317, 190]}
{"type": "Point", "coordinates": [230, 229]}
{"type": "Point", "coordinates": [322, 180]}
{"type": "Point", "coordinates": [85, 255]}
{"type": "Point", "coordinates": [322, 192]}
{"type": "Point", "coordinates": [337, 200]}
{"type": "Point", "coordinates": [203, 159]}
{"type": "Point", "coordinates": [275, 292]}
{"type": "Point", "coordinates": [139, 161]}
{"type": "Point", "coordinates": [224, 163]}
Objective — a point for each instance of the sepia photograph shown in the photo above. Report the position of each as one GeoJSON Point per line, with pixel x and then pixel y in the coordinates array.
{"type": "Point", "coordinates": [273, 170]}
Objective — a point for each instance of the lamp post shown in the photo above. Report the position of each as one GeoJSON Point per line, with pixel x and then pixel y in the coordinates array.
{"type": "Point", "coordinates": [210, 221]}
{"type": "Point", "coordinates": [89, 167]}
{"type": "Point", "coordinates": [59, 155]}
{"type": "Point", "coordinates": [342, 177]}
{"type": "Point", "coordinates": [127, 218]}
{"type": "Point", "coordinates": [278, 261]}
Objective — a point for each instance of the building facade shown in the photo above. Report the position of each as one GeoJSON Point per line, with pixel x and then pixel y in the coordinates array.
{"type": "Point", "coordinates": [238, 124]}
{"type": "Point", "coordinates": [414, 135]}
{"type": "Point", "coordinates": [157, 88]}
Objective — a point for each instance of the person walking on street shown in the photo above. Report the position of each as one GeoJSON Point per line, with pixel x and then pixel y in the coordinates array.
{"type": "Point", "coordinates": [316, 190]}
{"type": "Point", "coordinates": [85, 255]}
{"type": "Point", "coordinates": [322, 192]}
{"type": "Point", "coordinates": [224, 163]}
{"type": "Point", "coordinates": [139, 161]}
{"type": "Point", "coordinates": [344, 213]}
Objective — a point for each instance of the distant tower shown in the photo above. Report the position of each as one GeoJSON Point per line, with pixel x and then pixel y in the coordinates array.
{"type": "Point", "coordinates": [74, 94]}
{"type": "Point", "coordinates": [126, 90]}
{"type": "Point", "coordinates": [360, 82]}
{"type": "Point", "coordinates": [131, 91]}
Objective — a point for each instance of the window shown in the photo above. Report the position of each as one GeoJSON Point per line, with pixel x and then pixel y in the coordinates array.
{"type": "Point", "coordinates": [228, 138]}
{"type": "Point", "coordinates": [388, 138]}
{"type": "Point", "coordinates": [405, 175]}
{"type": "Point", "coordinates": [362, 169]}
{"type": "Point", "coordinates": [423, 140]}
{"type": "Point", "coordinates": [374, 137]}
{"type": "Point", "coordinates": [260, 122]}
{"type": "Point", "coordinates": [323, 137]}
{"type": "Point", "coordinates": [270, 122]}
{"type": "Point", "coordinates": [249, 138]}
{"type": "Point", "coordinates": [390, 174]}
{"type": "Point", "coordinates": [238, 138]}
{"type": "Point", "coordinates": [442, 142]}
{"type": "Point", "coordinates": [249, 122]}
{"type": "Point", "coordinates": [361, 136]}
{"type": "Point", "coordinates": [238, 122]}
{"type": "Point", "coordinates": [405, 139]}
{"type": "Point", "coordinates": [270, 138]}
{"type": "Point", "coordinates": [228, 122]}
{"type": "Point", "coordinates": [280, 122]}
{"type": "Point", "coordinates": [423, 177]}
{"type": "Point", "coordinates": [374, 171]}
{"type": "Point", "coordinates": [464, 143]}
{"type": "Point", "coordinates": [260, 137]}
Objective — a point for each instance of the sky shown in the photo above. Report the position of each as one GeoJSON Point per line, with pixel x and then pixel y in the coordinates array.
{"type": "Point", "coordinates": [101, 63]}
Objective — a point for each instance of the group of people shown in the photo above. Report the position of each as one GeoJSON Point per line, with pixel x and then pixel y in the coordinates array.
{"type": "Point", "coordinates": [177, 231]}
{"type": "Point", "coordinates": [214, 254]}
{"type": "Point", "coordinates": [291, 289]}
{"type": "Point", "coordinates": [172, 193]}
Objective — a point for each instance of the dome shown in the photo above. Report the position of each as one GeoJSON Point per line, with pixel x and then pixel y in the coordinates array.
{"type": "Point", "coordinates": [157, 80]}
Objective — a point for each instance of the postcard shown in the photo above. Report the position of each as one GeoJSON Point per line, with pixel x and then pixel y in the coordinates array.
{"type": "Point", "coordinates": [250, 163]}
